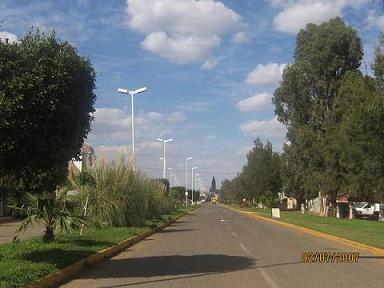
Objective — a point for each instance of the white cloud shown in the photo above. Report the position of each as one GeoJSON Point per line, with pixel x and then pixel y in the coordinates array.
{"type": "Point", "coordinates": [114, 125]}
{"type": "Point", "coordinates": [240, 38]}
{"type": "Point", "coordinates": [180, 49]}
{"type": "Point", "coordinates": [268, 74]}
{"type": "Point", "coordinates": [12, 38]}
{"type": "Point", "coordinates": [209, 64]}
{"type": "Point", "coordinates": [295, 15]}
{"type": "Point", "coordinates": [255, 103]}
{"type": "Point", "coordinates": [264, 128]}
{"type": "Point", "coordinates": [198, 106]}
{"type": "Point", "coordinates": [210, 137]}
{"type": "Point", "coordinates": [175, 117]}
{"type": "Point", "coordinates": [182, 31]}
{"type": "Point", "coordinates": [376, 21]}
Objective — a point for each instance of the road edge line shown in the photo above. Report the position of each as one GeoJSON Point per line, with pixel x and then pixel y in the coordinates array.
{"type": "Point", "coordinates": [374, 250]}
{"type": "Point", "coordinates": [68, 272]}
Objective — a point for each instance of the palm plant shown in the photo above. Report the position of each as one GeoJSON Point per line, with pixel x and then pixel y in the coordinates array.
{"type": "Point", "coordinates": [51, 210]}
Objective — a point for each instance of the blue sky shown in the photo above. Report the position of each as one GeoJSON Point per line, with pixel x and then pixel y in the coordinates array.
{"type": "Point", "coordinates": [210, 68]}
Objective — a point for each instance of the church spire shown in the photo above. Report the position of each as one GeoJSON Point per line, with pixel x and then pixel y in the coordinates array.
{"type": "Point", "coordinates": [213, 185]}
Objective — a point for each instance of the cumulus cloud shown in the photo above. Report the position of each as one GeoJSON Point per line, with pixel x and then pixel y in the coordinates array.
{"type": "Point", "coordinates": [209, 64]}
{"type": "Point", "coordinates": [263, 128]}
{"type": "Point", "coordinates": [180, 49]}
{"type": "Point", "coordinates": [182, 31]}
{"type": "Point", "coordinates": [376, 21]}
{"type": "Point", "coordinates": [114, 124]}
{"type": "Point", "coordinates": [240, 38]}
{"type": "Point", "coordinates": [255, 103]}
{"type": "Point", "coordinates": [12, 38]}
{"type": "Point", "coordinates": [296, 14]}
{"type": "Point", "coordinates": [268, 74]}
{"type": "Point", "coordinates": [175, 117]}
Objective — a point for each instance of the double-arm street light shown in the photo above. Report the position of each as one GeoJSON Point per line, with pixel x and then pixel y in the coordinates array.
{"type": "Point", "coordinates": [193, 168]}
{"type": "Point", "coordinates": [164, 159]}
{"type": "Point", "coordinates": [186, 174]}
{"type": "Point", "coordinates": [132, 93]}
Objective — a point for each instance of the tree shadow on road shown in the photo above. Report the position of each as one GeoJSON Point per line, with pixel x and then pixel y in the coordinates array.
{"type": "Point", "coordinates": [175, 267]}
{"type": "Point", "coordinates": [171, 265]}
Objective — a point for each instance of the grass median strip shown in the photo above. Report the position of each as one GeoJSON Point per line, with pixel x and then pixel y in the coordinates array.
{"type": "Point", "coordinates": [28, 261]}
{"type": "Point", "coordinates": [363, 231]}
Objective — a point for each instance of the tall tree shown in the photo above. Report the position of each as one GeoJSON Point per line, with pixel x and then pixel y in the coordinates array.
{"type": "Point", "coordinates": [355, 138]}
{"type": "Point", "coordinates": [46, 103]}
{"type": "Point", "coordinates": [323, 55]}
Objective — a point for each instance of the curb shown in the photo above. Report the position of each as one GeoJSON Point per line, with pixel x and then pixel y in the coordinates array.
{"type": "Point", "coordinates": [371, 249]}
{"type": "Point", "coordinates": [65, 274]}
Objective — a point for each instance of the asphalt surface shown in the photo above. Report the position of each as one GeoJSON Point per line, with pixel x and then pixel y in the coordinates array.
{"type": "Point", "coordinates": [218, 247]}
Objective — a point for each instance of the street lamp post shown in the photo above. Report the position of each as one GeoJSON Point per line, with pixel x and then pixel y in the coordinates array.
{"type": "Point", "coordinates": [132, 93]}
{"type": "Point", "coordinates": [193, 168]}
{"type": "Point", "coordinates": [186, 174]}
{"type": "Point", "coordinates": [171, 175]}
{"type": "Point", "coordinates": [197, 180]}
{"type": "Point", "coordinates": [164, 159]}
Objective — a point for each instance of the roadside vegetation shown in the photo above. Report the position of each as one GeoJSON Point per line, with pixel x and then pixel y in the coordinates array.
{"type": "Point", "coordinates": [25, 262]}
{"type": "Point", "coordinates": [367, 232]}
{"type": "Point", "coordinates": [46, 102]}
{"type": "Point", "coordinates": [333, 109]}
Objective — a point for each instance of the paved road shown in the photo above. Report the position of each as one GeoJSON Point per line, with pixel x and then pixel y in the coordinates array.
{"type": "Point", "coordinates": [202, 251]}
{"type": "Point", "coordinates": [8, 228]}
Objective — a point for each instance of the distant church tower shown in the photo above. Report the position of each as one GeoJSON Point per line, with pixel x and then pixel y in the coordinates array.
{"type": "Point", "coordinates": [213, 186]}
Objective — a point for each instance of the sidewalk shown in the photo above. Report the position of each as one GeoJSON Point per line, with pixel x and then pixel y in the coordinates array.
{"type": "Point", "coordinates": [9, 226]}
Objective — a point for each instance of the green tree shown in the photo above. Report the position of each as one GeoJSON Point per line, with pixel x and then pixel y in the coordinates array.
{"type": "Point", "coordinates": [356, 137]}
{"type": "Point", "coordinates": [261, 175]}
{"type": "Point", "coordinates": [323, 55]}
{"type": "Point", "coordinates": [46, 103]}
{"type": "Point", "coordinates": [178, 193]}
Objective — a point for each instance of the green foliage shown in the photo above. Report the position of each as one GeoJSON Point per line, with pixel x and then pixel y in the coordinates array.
{"type": "Point", "coordinates": [356, 137]}
{"type": "Point", "coordinates": [86, 179]}
{"type": "Point", "coordinates": [334, 117]}
{"type": "Point", "coordinates": [165, 183]}
{"type": "Point", "coordinates": [178, 193]}
{"type": "Point", "coordinates": [25, 262]}
{"type": "Point", "coordinates": [261, 176]}
{"type": "Point", "coordinates": [46, 102]}
{"type": "Point", "coordinates": [120, 197]}
{"type": "Point", "coordinates": [52, 211]}
{"type": "Point", "coordinates": [324, 55]}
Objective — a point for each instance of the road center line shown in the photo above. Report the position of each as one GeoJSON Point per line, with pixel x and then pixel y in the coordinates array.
{"type": "Point", "coordinates": [242, 246]}
{"type": "Point", "coordinates": [267, 278]}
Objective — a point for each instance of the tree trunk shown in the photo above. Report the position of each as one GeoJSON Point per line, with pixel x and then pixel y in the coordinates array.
{"type": "Point", "coordinates": [49, 234]}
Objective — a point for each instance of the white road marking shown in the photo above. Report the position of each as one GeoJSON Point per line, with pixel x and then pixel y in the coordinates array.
{"type": "Point", "coordinates": [244, 248]}
{"type": "Point", "coordinates": [234, 234]}
{"type": "Point", "coordinates": [267, 278]}
{"type": "Point", "coordinates": [264, 274]}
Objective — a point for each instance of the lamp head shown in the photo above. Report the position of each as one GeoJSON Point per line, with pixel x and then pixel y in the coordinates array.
{"type": "Point", "coordinates": [121, 90]}
{"type": "Point", "coordinates": [140, 90]}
